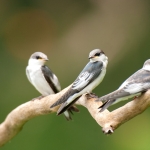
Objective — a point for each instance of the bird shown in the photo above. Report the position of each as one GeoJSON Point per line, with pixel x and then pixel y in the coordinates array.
{"type": "Point", "coordinates": [42, 77]}
{"type": "Point", "coordinates": [133, 86]}
{"type": "Point", "coordinates": [90, 77]}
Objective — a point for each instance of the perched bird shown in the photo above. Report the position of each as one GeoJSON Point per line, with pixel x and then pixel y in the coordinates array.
{"type": "Point", "coordinates": [92, 74]}
{"type": "Point", "coordinates": [42, 78]}
{"type": "Point", "coordinates": [135, 85]}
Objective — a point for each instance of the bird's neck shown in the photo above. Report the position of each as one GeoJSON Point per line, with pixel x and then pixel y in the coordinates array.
{"type": "Point", "coordinates": [146, 67]}
{"type": "Point", "coordinates": [105, 62]}
{"type": "Point", "coordinates": [35, 63]}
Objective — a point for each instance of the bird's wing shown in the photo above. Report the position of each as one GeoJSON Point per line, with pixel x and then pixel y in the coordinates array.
{"type": "Point", "coordinates": [138, 82]}
{"type": "Point", "coordinates": [64, 97]}
{"type": "Point", "coordinates": [51, 79]}
{"type": "Point", "coordinates": [114, 95]}
{"type": "Point", "coordinates": [88, 75]}
{"type": "Point", "coordinates": [90, 72]}
{"type": "Point", "coordinates": [106, 104]}
{"type": "Point", "coordinates": [65, 106]}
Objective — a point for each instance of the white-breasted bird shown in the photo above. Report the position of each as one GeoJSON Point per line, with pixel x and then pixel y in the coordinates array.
{"type": "Point", "coordinates": [135, 85]}
{"type": "Point", "coordinates": [42, 78]}
{"type": "Point", "coordinates": [90, 77]}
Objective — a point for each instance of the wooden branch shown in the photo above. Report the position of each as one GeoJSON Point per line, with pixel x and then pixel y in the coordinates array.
{"type": "Point", "coordinates": [109, 121]}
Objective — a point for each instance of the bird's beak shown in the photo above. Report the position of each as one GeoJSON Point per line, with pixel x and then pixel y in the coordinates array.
{"type": "Point", "coordinates": [102, 52]}
{"type": "Point", "coordinates": [91, 57]}
{"type": "Point", "coordinates": [46, 59]}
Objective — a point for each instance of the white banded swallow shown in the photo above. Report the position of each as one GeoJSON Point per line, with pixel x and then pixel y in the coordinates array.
{"type": "Point", "coordinates": [42, 77]}
{"type": "Point", "coordinates": [90, 77]}
{"type": "Point", "coordinates": [134, 86]}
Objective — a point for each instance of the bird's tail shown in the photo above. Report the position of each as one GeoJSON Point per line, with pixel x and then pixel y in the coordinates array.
{"type": "Point", "coordinates": [67, 115]}
{"type": "Point", "coordinates": [67, 106]}
{"type": "Point", "coordinates": [63, 98]}
{"type": "Point", "coordinates": [106, 104]}
{"type": "Point", "coordinates": [69, 112]}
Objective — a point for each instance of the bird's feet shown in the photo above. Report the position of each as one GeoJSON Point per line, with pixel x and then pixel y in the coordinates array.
{"type": "Point", "coordinates": [91, 95]}
{"type": "Point", "coordinates": [72, 109]}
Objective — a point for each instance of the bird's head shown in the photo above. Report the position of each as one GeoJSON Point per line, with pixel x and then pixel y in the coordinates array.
{"type": "Point", "coordinates": [38, 58]}
{"type": "Point", "coordinates": [146, 65]}
{"type": "Point", "coordinates": [97, 55]}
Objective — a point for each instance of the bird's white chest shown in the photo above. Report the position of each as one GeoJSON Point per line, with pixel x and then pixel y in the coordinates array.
{"type": "Point", "coordinates": [37, 79]}
{"type": "Point", "coordinates": [98, 80]}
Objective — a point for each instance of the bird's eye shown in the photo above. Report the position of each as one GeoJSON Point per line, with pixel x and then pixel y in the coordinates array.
{"type": "Point", "coordinates": [38, 57]}
{"type": "Point", "coordinates": [97, 54]}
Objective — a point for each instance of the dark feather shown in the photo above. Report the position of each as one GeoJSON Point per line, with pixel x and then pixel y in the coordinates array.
{"type": "Point", "coordinates": [114, 95]}
{"type": "Point", "coordinates": [106, 104]}
{"type": "Point", "coordinates": [72, 109]}
{"type": "Point", "coordinates": [47, 73]}
{"type": "Point", "coordinates": [64, 97]}
{"type": "Point", "coordinates": [90, 72]}
{"type": "Point", "coordinates": [66, 106]}
{"type": "Point", "coordinates": [141, 76]}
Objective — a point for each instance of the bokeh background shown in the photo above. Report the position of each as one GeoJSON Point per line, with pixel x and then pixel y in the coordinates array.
{"type": "Point", "coordinates": [67, 31]}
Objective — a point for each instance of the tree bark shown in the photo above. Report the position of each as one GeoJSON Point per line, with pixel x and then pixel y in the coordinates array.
{"type": "Point", "coordinates": [109, 121]}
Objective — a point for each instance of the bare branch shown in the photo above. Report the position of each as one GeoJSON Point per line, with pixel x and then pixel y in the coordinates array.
{"type": "Point", "coordinates": [109, 121]}
{"type": "Point", "coordinates": [20, 115]}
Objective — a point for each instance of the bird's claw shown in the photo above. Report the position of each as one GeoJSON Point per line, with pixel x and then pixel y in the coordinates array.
{"type": "Point", "coordinates": [91, 95]}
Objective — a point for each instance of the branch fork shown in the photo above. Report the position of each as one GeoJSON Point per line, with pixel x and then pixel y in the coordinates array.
{"type": "Point", "coordinates": [109, 121]}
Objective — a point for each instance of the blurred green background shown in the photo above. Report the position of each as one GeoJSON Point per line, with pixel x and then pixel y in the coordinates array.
{"type": "Point", "coordinates": [67, 31]}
